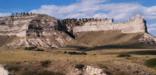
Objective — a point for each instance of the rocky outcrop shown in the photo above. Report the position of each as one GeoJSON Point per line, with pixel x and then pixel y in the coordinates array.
{"type": "Point", "coordinates": [88, 70]}
{"type": "Point", "coordinates": [147, 39]}
{"type": "Point", "coordinates": [3, 71]}
{"type": "Point", "coordinates": [136, 25]}
{"type": "Point", "coordinates": [38, 30]}
{"type": "Point", "coordinates": [105, 32]}
{"type": "Point", "coordinates": [33, 31]}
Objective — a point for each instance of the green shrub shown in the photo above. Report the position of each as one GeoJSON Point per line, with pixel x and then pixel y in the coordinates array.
{"type": "Point", "coordinates": [80, 66]}
{"type": "Point", "coordinates": [39, 49]}
{"type": "Point", "coordinates": [75, 53]}
{"type": "Point", "coordinates": [151, 63]}
{"type": "Point", "coordinates": [34, 48]}
{"type": "Point", "coordinates": [13, 67]}
{"type": "Point", "coordinates": [30, 48]}
{"type": "Point", "coordinates": [124, 55]}
{"type": "Point", "coordinates": [45, 63]}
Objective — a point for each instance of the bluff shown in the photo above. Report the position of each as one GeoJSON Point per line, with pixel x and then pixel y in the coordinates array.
{"type": "Point", "coordinates": [90, 32]}
{"type": "Point", "coordinates": [43, 31]}
{"type": "Point", "coordinates": [33, 30]}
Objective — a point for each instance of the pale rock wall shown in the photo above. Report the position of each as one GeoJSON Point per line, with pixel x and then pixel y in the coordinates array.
{"type": "Point", "coordinates": [88, 70]}
{"type": "Point", "coordinates": [17, 26]}
{"type": "Point", "coordinates": [133, 26]}
{"type": "Point", "coordinates": [3, 71]}
{"type": "Point", "coordinates": [33, 31]}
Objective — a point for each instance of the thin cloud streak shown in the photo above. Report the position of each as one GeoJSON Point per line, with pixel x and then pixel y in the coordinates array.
{"type": "Point", "coordinates": [98, 8]}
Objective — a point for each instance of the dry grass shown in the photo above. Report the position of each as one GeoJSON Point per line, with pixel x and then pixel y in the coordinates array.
{"type": "Point", "coordinates": [108, 38]}
{"type": "Point", "coordinates": [19, 55]}
{"type": "Point", "coordinates": [104, 57]}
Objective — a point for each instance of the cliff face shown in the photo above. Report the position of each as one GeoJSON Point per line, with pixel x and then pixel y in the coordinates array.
{"type": "Point", "coordinates": [35, 30]}
{"type": "Point", "coordinates": [136, 25]}
{"type": "Point", "coordinates": [106, 33]}
{"type": "Point", "coordinates": [15, 25]}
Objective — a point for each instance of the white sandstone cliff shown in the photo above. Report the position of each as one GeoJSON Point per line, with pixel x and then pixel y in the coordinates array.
{"type": "Point", "coordinates": [135, 25]}
{"type": "Point", "coordinates": [32, 31]}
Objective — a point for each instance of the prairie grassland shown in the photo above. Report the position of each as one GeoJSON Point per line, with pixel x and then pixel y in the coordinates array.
{"type": "Point", "coordinates": [111, 58]}
{"type": "Point", "coordinates": [23, 55]}
{"type": "Point", "coordinates": [19, 55]}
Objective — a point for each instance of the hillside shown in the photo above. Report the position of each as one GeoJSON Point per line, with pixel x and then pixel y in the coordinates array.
{"type": "Point", "coordinates": [42, 31]}
{"type": "Point", "coordinates": [112, 39]}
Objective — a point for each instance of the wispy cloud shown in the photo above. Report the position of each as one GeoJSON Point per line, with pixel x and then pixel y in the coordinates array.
{"type": "Point", "coordinates": [101, 9]}
{"type": "Point", "coordinates": [84, 8]}
{"type": "Point", "coordinates": [98, 8]}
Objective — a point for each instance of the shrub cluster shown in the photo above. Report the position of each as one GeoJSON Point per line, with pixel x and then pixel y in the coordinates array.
{"type": "Point", "coordinates": [76, 53]}
{"type": "Point", "coordinates": [33, 48]}
{"type": "Point", "coordinates": [124, 55]}
{"type": "Point", "coordinates": [45, 63]}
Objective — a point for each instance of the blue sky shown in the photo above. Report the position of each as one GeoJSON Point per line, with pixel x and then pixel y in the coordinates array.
{"type": "Point", "coordinates": [27, 5]}
{"type": "Point", "coordinates": [117, 9]}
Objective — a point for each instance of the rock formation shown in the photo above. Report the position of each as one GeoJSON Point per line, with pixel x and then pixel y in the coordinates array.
{"type": "Point", "coordinates": [32, 31]}
{"type": "Point", "coordinates": [3, 71]}
{"type": "Point", "coordinates": [104, 32]}
{"type": "Point", "coordinates": [88, 70]}
{"type": "Point", "coordinates": [38, 30]}
{"type": "Point", "coordinates": [135, 25]}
